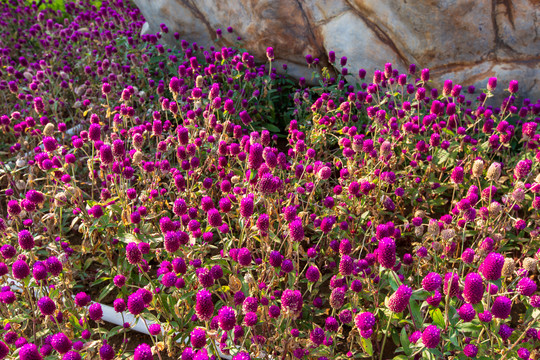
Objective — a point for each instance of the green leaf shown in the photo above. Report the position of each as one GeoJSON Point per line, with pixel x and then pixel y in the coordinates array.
{"type": "Point", "coordinates": [367, 346]}
{"type": "Point", "coordinates": [405, 343]}
{"type": "Point", "coordinates": [417, 315]}
{"type": "Point", "coordinates": [437, 317]}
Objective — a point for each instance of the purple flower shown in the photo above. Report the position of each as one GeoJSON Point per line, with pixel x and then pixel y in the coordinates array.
{"type": "Point", "coordinates": [492, 266]}
{"type": "Point", "coordinates": [46, 306]}
{"type": "Point", "coordinates": [513, 86]}
{"type": "Point", "coordinates": [135, 303]}
{"type": "Point", "coordinates": [526, 286]}
{"type": "Point", "coordinates": [198, 338]}
{"type": "Point", "coordinates": [26, 240]}
{"type": "Point", "coordinates": [501, 307]}
{"type": "Point", "coordinates": [95, 312]}
{"type": "Point", "coordinates": [505, 331]}
{"type": "Point", "coordinates": [470, 350]}
{"type": "Point", "coordinates": [313, 274]}
{"type": "Point", "coordinates": [466, 312]}
{"type": "Point", "coordinates": [204, 306]}
{"type": "Point", "coordinates": [365, 321]}
{"type": "Point", "coordinates": [399, 300]}
{"type": "Point", "coordinates": [143, 352]}
{"type": "Point", "coordinates": [317, 336]}
{"type": "Point", "coordinates": [292, 302]}
{"type": "Point", "coordinates": [432, 281]}
{"type": "Point", "coordinates": [387, 252]}
{"type": "Point", "coordinates": [133, 254]}
{"type": "Point", "coordinates": [451, 283]}
{"type": "Point", "coordinates": [473, 290]}
{"type": "Point", "coordinates": [226, 318]}
{"type": "Point", "coordinates": [20, 269]}
{"type": "Point", "coordinates": [106, 352]}
{"type": "Point", "coordinates": [61, 343]}
{"type": "Point", "coordinates": [431, 336]}
{"type": "Point", "coordinates": [29, 352]}
{"type": "Point", "coordinates": [296, 230]}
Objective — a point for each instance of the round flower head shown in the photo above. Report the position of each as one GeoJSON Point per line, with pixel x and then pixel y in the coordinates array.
{"type": "Point", "coordinates": [431, 336]}
{"type": "Point", "coordinates": [457, 175]}
{"type": "Point", "coordinates": [198, 338]}
{"type": "Point", "coordinates": [387, 252]}
{"type": "Point", "coordinates": [473, 290]}
{"type": "Point", "coordinates": [246, 207]}
{"type": "Point", "coordinates": [346, 265]}
{"type": "Point", "coordinates": [226, 318]}
{"type": "Point", "coordinates": [296, 230]}
{"type": "Point", "coordinates": [451, 283]}
{"type": "Point", "coordinates": [135, 303]}
{"type": "Point", "coordinates": [492, 266]}
{"type": "Point", "coordinates": [26, 240]}
{"type": "Point", "coordinates": [61, 343]}
{"type": "Point", "coordinates": [133, 254]}
{"type": "Point", "coordinates": [400, 299]}
{"type": "Point", "coordinates": [466, 312]}
{"type": "Point", "coordinates": [4, 350]}
{"type": "Point", "coordinates": [29, 352]}
{"type": "Point", "coordinates": [526, 286]}
{"type": "Point", "coordinates": [317, 336]}
{"type": "Point", "coordinates": [242, 356]}
{"type": "Point", "coordinates": [365, 321]}
{"type": "Point", "coordinates": [432, 281]}
{"type": "Point", "coordinates": [470, 350]}
{"type": "Point", "coordinates": [106, 352]}
{"type": "Point", "coordinates": [468, 256]}
{"type": "Point", "coordinates": [46, 305]}
{"type": "Point", "coordinates": [523, 353]}
{"type": "Point", "coordinates": [95, 312]}
{"type": "Point", "coordinates": [505, 331]}
{"type": "Point", "coordinates": [20, 269]}
{"type": "Point", "coordinates": [204, 306]}
{"type": "Point", "coordinates": [143, 352]}
{"type": "Point", "coordinates": [337, 298]}
{"type": "Point", "coordinates": [501, 307]}
{"type": "Point", "coordinates": [313, 274]}
{"type": "Point", "coordinates": [434, 299]}
{"type": "Point", "coordinates": [292, 302]}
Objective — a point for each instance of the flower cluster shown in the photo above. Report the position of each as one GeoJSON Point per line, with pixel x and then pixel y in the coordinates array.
{"type": "Point", "coordinates": [234, 211]}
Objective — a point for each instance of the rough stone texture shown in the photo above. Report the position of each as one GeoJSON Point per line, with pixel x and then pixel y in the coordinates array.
{"type": "Point", "coordinates": [465, 40]}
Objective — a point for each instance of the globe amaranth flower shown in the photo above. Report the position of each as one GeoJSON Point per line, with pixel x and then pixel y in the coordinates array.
{"type": "Point", "coordinates": [198, 338]}
{"type": "Point", "coordinates": [251, 319]}
{"type": "Point", "coordinates": [470, 350]}
{"type": "Point", "coordinates": [399, 300]}
{"type": "Point", "coordinates": [365, 320]}
{"type": "Point", "coordinates": [473, 289]}
{"type": "Point", "coordinates": [492, 266]}
{"type": "Point", "coordinates": [434, 299]}
{"type": "Point", "coordinates": [526, 286]}
{"type": "Point", "coordinates": [431, 336]}
{"type": "Point", "coordinates": [143, 352]}
{"type": "Point", "coordinates": [505, 332]}
{"type": "Point", "coordinates": [4, 350]}
{"type": "Point", "coordinates": [95, 312]}
{"type": "Point", "coordinates": [226, 318]}
{"type": "Point", "coordinates": [135, 303]}
{"type": "Point", "coordinates": [204, 306]}
{"type": "Point", "coordinates": [337, 298]}
{"type": "Point", "coordinates": [451, 283]}
{"type": "Point", "coordinates": [386, 252]}
{"type": "Point", "coordinates": [296, 230]}
{"type": "Point", "coordinates": [106, 352]}
{"type": "Point", "coordinates": [20, 269]}
{"type": "Point", "coordinates": [29, 352]}
{"type": "Point", "coordinates": [242, 356]}
{"type": "Point", "coordinates": [133, 254]}
{"type": "Point", "coordinates": [317, 336]}
{"type": "Point", "coordinates": [292, 302]}
{"type": "Point", "coordinates": [432, 281]}
{"type": "Point", "coordinates": [61, 343]}
{"type": "Point", "coordinates": [46, 305]}
{"type": "Point", "coordinates": [501, 307]}
{"type": "Point", "coordinates": [466, 312]}
{"type": "Point", "coordinates": [26, 240]}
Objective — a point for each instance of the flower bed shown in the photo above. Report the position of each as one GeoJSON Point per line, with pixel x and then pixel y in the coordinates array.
{"type": "Point", "coordinates": [234, 211]}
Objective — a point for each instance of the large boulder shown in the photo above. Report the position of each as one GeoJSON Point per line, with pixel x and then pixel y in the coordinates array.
{"type": "Point", "coordinates": [467, 41]}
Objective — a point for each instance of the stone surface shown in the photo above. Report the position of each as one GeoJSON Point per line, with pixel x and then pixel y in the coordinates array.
{"type": "Point", "coordinates": [465, 40]}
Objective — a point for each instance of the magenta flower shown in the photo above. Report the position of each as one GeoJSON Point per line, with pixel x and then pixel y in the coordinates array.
{"type": "Point", "coordinates": [399, 300]}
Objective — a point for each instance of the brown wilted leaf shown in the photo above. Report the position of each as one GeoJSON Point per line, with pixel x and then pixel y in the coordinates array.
{"type": "Point", "coordinates": [234, 283]}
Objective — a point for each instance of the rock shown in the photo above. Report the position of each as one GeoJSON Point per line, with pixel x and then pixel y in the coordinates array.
{"type": "Point", "coordinates": [465, 40]}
